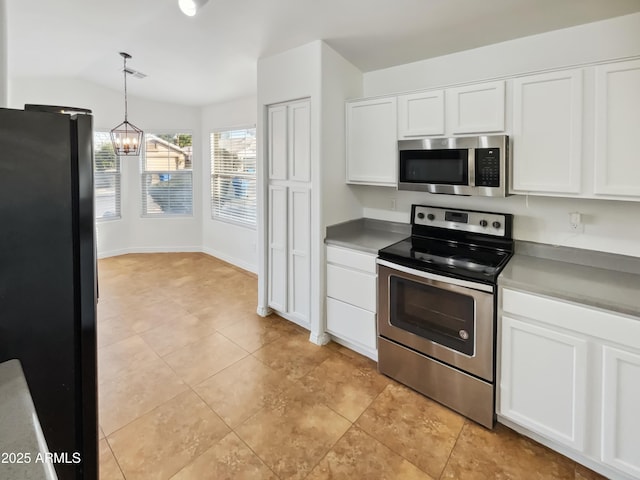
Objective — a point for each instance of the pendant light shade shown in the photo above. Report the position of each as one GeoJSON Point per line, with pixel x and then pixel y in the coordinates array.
{"type": "Point", "coordinates": [126, 137]}
{"type": "Point", "coordinates": [191, 7]}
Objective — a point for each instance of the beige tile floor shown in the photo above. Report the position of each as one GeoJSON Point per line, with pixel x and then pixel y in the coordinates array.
{"type": "Point", "coordinates": [193, 385]}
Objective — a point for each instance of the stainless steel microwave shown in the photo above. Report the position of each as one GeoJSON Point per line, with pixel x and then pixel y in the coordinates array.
{"type": "Point", "coordinates": [455, 166]}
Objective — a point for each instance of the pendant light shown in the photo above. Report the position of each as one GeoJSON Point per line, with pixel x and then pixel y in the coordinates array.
{"type": "Point", "coordinates": [191, 7]}
{"type": "Point", "coordinates": [126, 137]}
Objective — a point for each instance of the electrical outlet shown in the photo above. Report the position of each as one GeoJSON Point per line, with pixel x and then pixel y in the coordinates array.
{"type": "Point", "coordinates": [393, 204]}
{"type": "Point", "coordinates": [575, 222]}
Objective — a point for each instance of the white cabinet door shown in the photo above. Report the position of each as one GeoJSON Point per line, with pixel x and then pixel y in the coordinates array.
{"type": "Point", "coordinates": [299, 134]}
{"type": "Point", "coordinates": [299, 252]}
{"type": "Point", "coordinates": [352, 286]}
{"type": "Point", "coordinates": [543, 381]}
{"type": "Point", "coordinates": [476, 108]}
{"type": "Point", "coordinates": [372, 142]}
{"type": "Point", "coordinates": [277, 148]}
{"type": "Point", "coordinates": [547, 132]}
{"type": "Point", "coordinates": [421, 114]}
{"type": "Point", "coordinates": [617, 170]}
{"type": "Point", "coordinates": [351, 323]}
{"type": "Point", "coordinates": [277, 224]}
{"type": "Point", "coordinates": [621, 414]}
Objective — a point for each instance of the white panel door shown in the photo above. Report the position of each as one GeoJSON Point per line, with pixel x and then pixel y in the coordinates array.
{"type": "Point", "coordinates": [300, 141]}
{"type": "Point", "coordinates": [617, 169]}
{"type": "Point", "coordinates": [476, 108]}
{"type": "Point", "coordinates": [543, 381]}
{"type": "Point", "coordinates": [547, 132]}
{"type": "Point", "coordinates": [277, 148]}
{"type": "Point", "coordinates": [372, 142]}
{"type": "Point", "coordinates": [421, 114]}
{"type": "Point", "coordinates": [299, 252]}
{"type": "Point", "coordinates": [277, 268]}
{"type": "Point", "coordinates": [621, 410]}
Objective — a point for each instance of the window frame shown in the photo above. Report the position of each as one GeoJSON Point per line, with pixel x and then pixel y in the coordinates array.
{"type": "Point", "coordinates": [144, 173]}
{"type": "Point", "coordinates": [214, 173]}
{"type": "Point", "coordinates": [117, 175]}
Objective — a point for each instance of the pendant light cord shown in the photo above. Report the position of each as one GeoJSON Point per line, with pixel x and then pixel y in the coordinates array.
{"type": "Point", "coordinates": [124, 72]}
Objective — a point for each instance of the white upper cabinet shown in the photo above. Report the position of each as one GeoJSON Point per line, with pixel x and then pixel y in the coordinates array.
{"type": "Point", "coordinates": [477, 108]}
{"type": "Point", "coordinates": [299, 120]}
{"type": "Point", "coordinates": [421, 114]}
{"type": "Point", "coordinates": [547, 132]}
{"type": "Point", "coordinates": [617, 114]}
{"type": "Point", "coordinates": [372, 141]}
{"type": "Point", "coordinates": [289, 145]}
{"type": "Point", "coordinates": [277, 132]}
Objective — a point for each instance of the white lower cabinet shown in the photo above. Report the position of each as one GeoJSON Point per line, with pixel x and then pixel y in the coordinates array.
{"type": "Point", "coordinates": [569, 375]}
{"type": "Point", "coordinates": [543, 381]}
{"type": "Point", "coordinates": [621, 410]}
{"type": "Point", "coordinates": [352, 298]}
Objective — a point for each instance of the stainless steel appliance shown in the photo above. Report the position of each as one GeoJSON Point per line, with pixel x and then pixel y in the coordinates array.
{"type": "Point", "coordinates": [455, 166]}
{"type": "Point", "coordinates": [48, 274]}
{"type": "Point", "coordinates": [437, 306]}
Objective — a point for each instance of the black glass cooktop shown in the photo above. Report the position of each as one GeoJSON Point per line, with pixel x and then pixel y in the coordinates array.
{"type": "Point", "coordinates": [449, 258]}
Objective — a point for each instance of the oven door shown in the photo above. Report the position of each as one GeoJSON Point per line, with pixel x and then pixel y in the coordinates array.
{"type": "Point", "coordinates": [444, 318]}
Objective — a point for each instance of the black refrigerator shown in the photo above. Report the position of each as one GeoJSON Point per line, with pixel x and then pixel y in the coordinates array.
{"type": "Point", "coordinates": [48, 284]}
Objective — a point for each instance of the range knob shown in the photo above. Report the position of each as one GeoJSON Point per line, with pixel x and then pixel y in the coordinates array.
{"type": "Point", "coordinates": [431, 216]}
{"type": "Point", "coordinates": [483, 223]}
{"type": "Point", "coordinates": [420, 215]}
{"type": "Point", "coordinates": [496, 224]}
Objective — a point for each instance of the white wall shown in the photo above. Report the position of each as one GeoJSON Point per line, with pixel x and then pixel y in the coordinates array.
{"type": "Point", "coordinates": [4, 80]}
{"type": "Point", "coordinates": [131, 233]}
{"type": "Point", "coordinates": [233, 243]}
{"type": "Point", "coordinates": [340, 80]}
{"type": "Point", "coordinates": [610, 226]}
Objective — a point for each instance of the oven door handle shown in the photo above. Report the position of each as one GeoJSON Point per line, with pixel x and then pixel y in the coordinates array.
{"type": "Point", "coordinates": [433, 276]}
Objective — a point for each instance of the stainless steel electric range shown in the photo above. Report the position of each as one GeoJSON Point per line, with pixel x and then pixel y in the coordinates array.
{"type": "Point", "coordinates": [437, 306]}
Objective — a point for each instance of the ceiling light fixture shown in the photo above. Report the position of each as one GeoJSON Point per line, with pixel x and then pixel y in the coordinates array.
{"type": "Point", "coordinates": [191, 7]}
{"type": "Point", "coordinates": [126, 137]}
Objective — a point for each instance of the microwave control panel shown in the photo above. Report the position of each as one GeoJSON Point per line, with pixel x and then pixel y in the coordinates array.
{"type": "Point", "coordinates": [487, 167]}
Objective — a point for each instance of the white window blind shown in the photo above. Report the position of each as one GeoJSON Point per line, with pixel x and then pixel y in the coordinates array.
{"type": "Point", "coordinates": [106, 177]}
{"type": "Point", "coordinates": [167, 174]}
{"type": "Point", "coordinates": [233, 176]}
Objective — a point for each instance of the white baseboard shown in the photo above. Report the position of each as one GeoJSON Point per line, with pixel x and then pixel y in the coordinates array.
{"type": "Point", "coordinates": [319, 338]}
{"type": "Point", "coordinates": [229, 259]}
{"type": "Point", "coordinates": [367, 352]}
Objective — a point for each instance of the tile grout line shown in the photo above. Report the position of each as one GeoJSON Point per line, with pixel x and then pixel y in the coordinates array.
{"type": "Point", "coordinates": [114, 458]}
{"type": "Point", "coordinates": [444, 469]}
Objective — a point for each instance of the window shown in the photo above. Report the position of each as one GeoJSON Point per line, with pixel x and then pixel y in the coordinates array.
{"type": "Point", "coordinates": [233, 176]}
{"type": "Point", "coordinates": [167, 175]}
{"type": "Point", "coordinates": [106, 177]}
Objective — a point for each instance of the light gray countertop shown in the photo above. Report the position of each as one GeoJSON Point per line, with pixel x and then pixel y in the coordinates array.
{"type": "Point", "coordinates": [596, 279]}
{"type": "Point", "coordinates": [21, 439]}
{"type": "Point", "coordinates": [367, 234]}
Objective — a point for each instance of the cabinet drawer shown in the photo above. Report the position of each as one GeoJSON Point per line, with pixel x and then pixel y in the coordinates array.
{"type": "Point", "coordinates": [352, 258]}
{"type": "Point", "coordinates": [351, 286]}
{"type": "Point", "coordinates": [351, 323]}
{"type": "Point", "coordinates": [588, 321]}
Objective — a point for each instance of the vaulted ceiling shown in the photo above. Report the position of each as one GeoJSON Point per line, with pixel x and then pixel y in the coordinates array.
{"type": "Point", "coordinates": [212, 57]}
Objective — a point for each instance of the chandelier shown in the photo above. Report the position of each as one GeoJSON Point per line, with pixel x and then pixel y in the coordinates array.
{"type": "Point", "coordinates": [126, 137]}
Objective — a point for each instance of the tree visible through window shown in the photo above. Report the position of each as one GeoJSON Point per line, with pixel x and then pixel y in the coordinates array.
{"type": "Point", "coordinates": [106, 177]}
{"type": "Point", "coordinates": [233, 176]}
{"type": "Point", "coordinates": [167, 174]}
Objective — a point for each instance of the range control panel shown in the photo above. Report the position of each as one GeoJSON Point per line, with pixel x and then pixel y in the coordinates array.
{"type": "Point", "coordinates": [464, 220]}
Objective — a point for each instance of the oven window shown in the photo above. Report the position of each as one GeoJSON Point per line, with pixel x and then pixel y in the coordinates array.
{"type": "Point", "coordinates": [438, 315]}
{"type": "Point", "coordinates": [448, 167]}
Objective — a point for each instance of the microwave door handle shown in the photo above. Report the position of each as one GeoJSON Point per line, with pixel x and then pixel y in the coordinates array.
{"type": "Point", "coordinates": [471, 166]}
